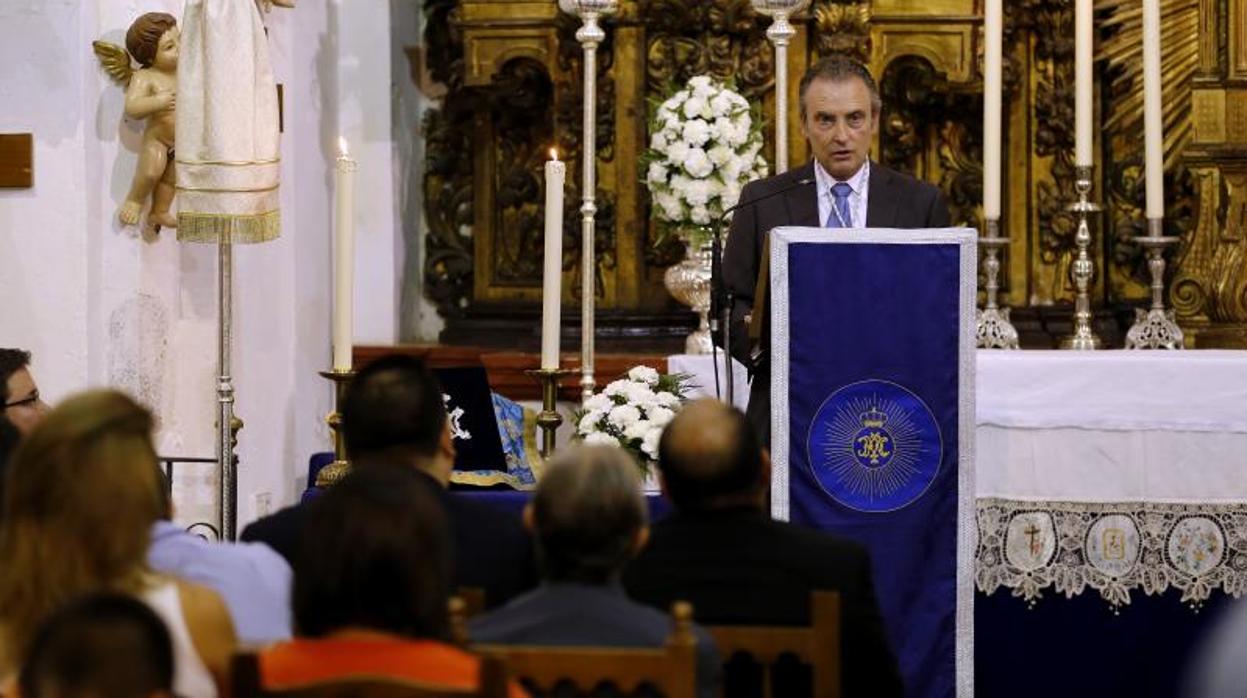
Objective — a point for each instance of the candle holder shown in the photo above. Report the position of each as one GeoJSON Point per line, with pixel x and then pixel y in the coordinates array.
{"type": "Point", "coordinates": [340, 466]}
{"type": "Point", "coordinates": [1155, 328]}
{"type": "Point", "coordinates": [1083, 269]}
{"type": "Point", "coordinates": [993, 329]}
{"type": "Point", "coordinates": [549, 419]}
{"type": "Point", "coordinates": [590, 35]}
{"type": "Point", "coordinates": [780, 33]}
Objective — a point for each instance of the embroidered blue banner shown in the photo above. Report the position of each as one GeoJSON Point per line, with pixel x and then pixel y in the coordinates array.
{"type": "Point", "coordinates": [872, 423]}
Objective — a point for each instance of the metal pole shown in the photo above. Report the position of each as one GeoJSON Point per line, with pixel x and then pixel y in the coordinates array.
{"type": "Point", "coordinates": [590, 35]}
{"type": "Point", "coordinates": [227, 473]}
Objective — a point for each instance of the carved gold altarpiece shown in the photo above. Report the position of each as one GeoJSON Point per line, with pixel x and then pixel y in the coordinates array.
{"type": "Point", "coordinates": [511, 73]}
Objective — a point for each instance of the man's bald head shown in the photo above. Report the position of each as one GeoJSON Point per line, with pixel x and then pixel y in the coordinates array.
{"type": "Point", "coordinates": [710, 457]}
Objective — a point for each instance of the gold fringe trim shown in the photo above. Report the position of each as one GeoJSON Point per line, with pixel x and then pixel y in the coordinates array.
{"type": "Point", "coordinates": [487, 478]}
{"type": "Point", "coordinates": [215, 228]}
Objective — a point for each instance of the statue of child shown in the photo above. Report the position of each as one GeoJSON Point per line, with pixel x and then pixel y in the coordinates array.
{"type": "Point", "coordinates": [153, 40]}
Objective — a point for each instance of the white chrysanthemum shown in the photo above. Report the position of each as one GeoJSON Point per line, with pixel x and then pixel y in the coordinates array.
{"type": "Point", "coordinates": [659, 416]}
{"type": "Point", "coordinates": [731, 195]}
{"type": "Point", "coordinates": [699, 215]}
{"type": "Point", "coordinates": [643, 374]}
{"type": "Point", "coordinates": [589, 422]}
{"type": "Point", "coordinates": [658, 140]}
{"type": "Point", "coordinates": [623, 416]}
{"type": "Point", "coordinates": [601, 438]}
{"type": "Point", "coordinates": [677, 152]}
{"type": "Point", "coordinates": [599, 402]}
{"type": "Point", "coordinates": [699, 83]}
{"type": "Point", "coordinates": [697, 164]}
{"type": "Point", "coordinates": [670, 205]}
{"type": "Point", "coordinates": [640, 395]}
{"type": "Point", "coordinates": [721, 103]}
{"type": "Point", "coordinates": [696, 192]}
{"type": "Point", "coordinates": [615, 388]}
{"type": "Point", "coordinates": [695, 107]}
{"type": "Point", "coordinates": [666, 398]}
{"type": "Point", "coordinates": [720, 154]}
{"type": "Point", "coordinates": [696, 132]}
{"type": "Point", "coordinates": [649, 444]}
{"type": "Point", "coordinates": [657, 173]}
{"type": "Point", "coordinates": [638, 430]}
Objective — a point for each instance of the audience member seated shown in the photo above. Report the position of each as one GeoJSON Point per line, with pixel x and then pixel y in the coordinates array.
{"type": "Point", "coordinates": [100, 646]}
{"type": "Point", "coordinates": [83, 492]}
{"type": "Point", "coordinates": [721, 550]}
{"type": "Point", "coordinates": [371, 590]}
{"type": "Point", "coordinates": [23, 408]}
{"type": "Point", "coordinates": [393, 417]}
{"type": "Point", "coordinates": [253, 580]}
{"type": "Point", "coordinates": [588, 518]}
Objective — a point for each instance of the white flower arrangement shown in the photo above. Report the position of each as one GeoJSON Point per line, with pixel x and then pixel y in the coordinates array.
{"type": "Point", "coordinates": [705, 145]}
{"type": "Point", "coordinates": [632, 412]}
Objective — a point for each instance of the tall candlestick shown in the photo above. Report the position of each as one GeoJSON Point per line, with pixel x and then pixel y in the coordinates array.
{"type": "Point", "coordinates": [343, 258]}
{"type": "Point", "coordinates": [993, 84]}
{"type": "Point", "coordinates": [1083, 10]}
{"type": "Point", "coordinates": [552, 278]}
{"type": "Point", "coordinates": [1153, 138]}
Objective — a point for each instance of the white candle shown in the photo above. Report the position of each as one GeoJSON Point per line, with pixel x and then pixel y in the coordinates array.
{"type": "Point", "coordinates": [993, 84]}
{"type": "Point", "coordinates": [1153, 136]}
{"type": "Point", "coordinates": [1082, 82]}
{"type": "Point", "coordinates": [343, 258]}
{"type": "Point", "coordinates": [552, 275]}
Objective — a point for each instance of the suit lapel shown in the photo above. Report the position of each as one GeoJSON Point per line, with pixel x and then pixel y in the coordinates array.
{"type": "Point", "coordinates": [881, 204]}
{"type": "Point", "coordinates": [802, 202]}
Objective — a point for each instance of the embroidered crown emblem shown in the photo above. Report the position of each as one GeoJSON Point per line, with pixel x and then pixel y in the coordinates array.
{"type": "Point", "coordinates": [873, 418]}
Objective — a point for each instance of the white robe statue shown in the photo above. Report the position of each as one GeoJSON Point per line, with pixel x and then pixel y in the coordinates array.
{"type": "Point", "coordinates": [228, 151]}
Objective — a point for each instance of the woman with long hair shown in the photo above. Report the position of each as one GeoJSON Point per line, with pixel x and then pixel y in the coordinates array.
{"type": "Point", "coordinates": [80, 497]}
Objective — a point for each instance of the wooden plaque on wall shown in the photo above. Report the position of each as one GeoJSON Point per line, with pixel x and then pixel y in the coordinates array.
{"type": "Point", "coordinates": [17, 160]}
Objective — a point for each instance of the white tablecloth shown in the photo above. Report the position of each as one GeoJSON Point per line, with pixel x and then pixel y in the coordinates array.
{"type": "Point", "coordinates": [1116, 471]}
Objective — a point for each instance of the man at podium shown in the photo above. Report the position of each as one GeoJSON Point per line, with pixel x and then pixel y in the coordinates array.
{"type": "Point", "coordinates": [840, 188]}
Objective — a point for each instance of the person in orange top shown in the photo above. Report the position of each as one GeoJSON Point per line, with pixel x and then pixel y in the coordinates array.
{"type": "Point", "coordinates": [371, 585]}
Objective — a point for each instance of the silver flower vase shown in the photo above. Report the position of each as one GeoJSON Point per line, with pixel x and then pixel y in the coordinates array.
{"type": "Point", "coordinates": [689, 283]}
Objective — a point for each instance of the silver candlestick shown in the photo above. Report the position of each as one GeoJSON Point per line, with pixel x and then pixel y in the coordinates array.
{"type": "Point", "coordinates": [1083, 269]}
{"type": "Point", "coordinates": [1155, 328]}
{"type": "Point", "coordinates": [590, 35]}
{"type": "Point", "coordinates": [993, 329]}
{"type": "Point", "coordinates": [780, 33]}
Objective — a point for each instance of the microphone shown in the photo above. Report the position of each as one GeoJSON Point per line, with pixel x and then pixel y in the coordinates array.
{"type": "Point", "coordinates": [720, 307]}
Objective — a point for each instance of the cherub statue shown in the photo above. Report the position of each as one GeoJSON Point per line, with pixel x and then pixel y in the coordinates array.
{"type": "Point", "coordinates": [151, 93]}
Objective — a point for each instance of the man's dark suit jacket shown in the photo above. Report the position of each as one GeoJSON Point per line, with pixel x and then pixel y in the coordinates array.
{"type": "Point", "coordinates": [739, 567]}
{"type": "Point", "coordinates": [492, 551]}
{"type": "Point", "coordinates": [588, 615]}
{"type": "Point", "coordinates": [894, 200]}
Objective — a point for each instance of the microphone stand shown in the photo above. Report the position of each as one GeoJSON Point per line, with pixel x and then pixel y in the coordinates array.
{"type": "Point", "coordinates": [721, 313]}
{"type": "Point", "coordinates": [721, 310]}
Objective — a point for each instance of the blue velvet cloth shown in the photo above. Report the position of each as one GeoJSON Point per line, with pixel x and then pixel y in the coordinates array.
{"type": "Point", "coordinates": [873, 399]}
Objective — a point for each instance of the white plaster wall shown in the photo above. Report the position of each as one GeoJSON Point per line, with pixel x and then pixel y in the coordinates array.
{"type": "Point", "coordinates": [100, 305]}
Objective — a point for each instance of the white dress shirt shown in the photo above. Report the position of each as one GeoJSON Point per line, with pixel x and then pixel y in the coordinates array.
{"type": "Point", "coordinates": [859, 183]}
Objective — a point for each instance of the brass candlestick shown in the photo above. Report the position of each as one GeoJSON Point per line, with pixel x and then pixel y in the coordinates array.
{"type": "Point", "coordinates": [548, 420]}
{"type": "Point", "coordinates": [340, 466]}
{"type": "Point", "coordinates": [1083, 268]}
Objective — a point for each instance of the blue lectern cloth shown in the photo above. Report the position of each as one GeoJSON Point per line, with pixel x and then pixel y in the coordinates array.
{"type": "Point", "coordinates": [872, 404]}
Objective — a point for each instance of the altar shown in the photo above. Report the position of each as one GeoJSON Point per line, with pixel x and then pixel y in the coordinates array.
{"type": "Point", "coordinates": [1110, 501]}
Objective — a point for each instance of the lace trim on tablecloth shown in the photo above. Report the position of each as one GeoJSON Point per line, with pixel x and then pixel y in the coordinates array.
{"type": "Point", "coordinates": [1115, 549]}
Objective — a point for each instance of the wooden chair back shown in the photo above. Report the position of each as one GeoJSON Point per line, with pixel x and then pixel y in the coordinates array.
{"type": "Point", "coordinates": [246, 683]}
{"type": "Point", "coordinates": [671, 669]}
{"type": "Point", "coordinates": [817, 644]}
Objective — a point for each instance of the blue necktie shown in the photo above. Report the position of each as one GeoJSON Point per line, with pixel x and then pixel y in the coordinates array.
{"type": "Point", "coordinates": [841, 216]}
